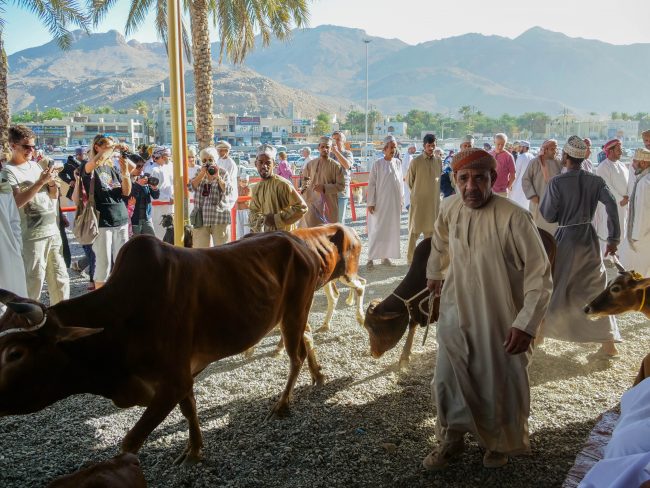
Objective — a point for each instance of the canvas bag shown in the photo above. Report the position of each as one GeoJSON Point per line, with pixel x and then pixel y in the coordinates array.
{"type": "Point", "coordinates": [86, 224]}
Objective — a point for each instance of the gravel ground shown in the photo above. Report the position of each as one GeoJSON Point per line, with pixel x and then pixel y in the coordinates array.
{"type": "Point", "coordinates": [370, 425]}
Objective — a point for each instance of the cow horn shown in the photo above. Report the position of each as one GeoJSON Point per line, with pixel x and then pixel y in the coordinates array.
{"type": "Point", "coordinates": [617, 263]}
{"type": "Point", "coordinates": [34, 314]}
{"type": "Point", "coordinates": [6, 296]}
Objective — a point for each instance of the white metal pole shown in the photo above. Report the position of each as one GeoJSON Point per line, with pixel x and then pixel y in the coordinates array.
{"type": "Point", "coordinates": [365, 147]}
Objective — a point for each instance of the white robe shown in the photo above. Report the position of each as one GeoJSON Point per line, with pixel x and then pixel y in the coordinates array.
{"type": "Point", "coordinates": [12, 270]}
{"type": "Point", "coordinates": [616, 176]}
{"type": "Point", "coordinates": [385, 194]}
{"type": "Point", "coordinates": [229, 166]}
{"type": "Point", "coordinates": [406, 162]}
{"type": "Point", "coordinates": [517, 194]}
{"type": "Point", "coordinates": [635, 255]}
{"type": "Point", "coordinates": [497, 276]}
{"type": "Point", "coordinates": [626, 460]}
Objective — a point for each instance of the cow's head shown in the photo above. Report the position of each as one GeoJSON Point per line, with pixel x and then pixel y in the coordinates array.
{"type": "Point", "coordinates": [385, 328]}
{"type": "Point", "coordinates": [34, 362]}
{"type": "Point", "coordinates": [623, 294]}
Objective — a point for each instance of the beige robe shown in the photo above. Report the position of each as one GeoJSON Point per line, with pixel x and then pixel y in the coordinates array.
{"type": "Point", "coordinates": [423, 179]}
{"type": "Point", "coordinates": [534, 185]}
{"type": "Point", "coordinates": [478, 387]}
{"type": "Point", "coordinates": [330, 174]}
{"type": "Point", "coordinates": [279, 197]}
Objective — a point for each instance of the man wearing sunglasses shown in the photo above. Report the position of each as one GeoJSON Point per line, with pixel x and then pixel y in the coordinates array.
{"type": "Point", "coordinates": [36, 196]}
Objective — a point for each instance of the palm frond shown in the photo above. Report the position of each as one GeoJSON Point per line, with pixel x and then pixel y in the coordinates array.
{"type": "Point", "coordinates": [98, 9]}
{"type": "Point", "coordinates": [137, 15]}
{"type": "Point", "coordinates": [56, 16]}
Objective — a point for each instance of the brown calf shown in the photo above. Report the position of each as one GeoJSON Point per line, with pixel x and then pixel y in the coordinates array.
{"type": "Point", "coordinates": [107, 344]}
{"type": "Point", "coordinates": [628, 292]}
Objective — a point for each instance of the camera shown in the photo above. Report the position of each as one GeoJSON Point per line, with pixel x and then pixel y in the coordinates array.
{"type": "Point", "coordinates": [151, 180]}
{"type": "Point", "coordinates": [212, 169]}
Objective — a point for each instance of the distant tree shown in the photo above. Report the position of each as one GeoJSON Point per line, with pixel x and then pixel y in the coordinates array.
{"type": "Point", "coordinates": [322, 125]}
{"type": "Point", "coordinates": [355, 122]}
{"type": "Point", "coordinates": [57, 16]}
{"type": "Point", "coordinates": [104, 110]}
{"type": "Point", "coordinates": [23, 117]}
{"type": "Point", "coordinates": [142, 106]}
{"type": "Point", "coordinates": [615, 115]}
{"type": "Point", "coordinates": [84, 109]}
{"type": "Point", "coordinates": [52, 113]}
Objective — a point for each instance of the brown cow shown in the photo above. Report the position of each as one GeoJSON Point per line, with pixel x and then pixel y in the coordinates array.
{"type": "Point", "coordinates": [122, 471]}
{"type": "Point", "coordinates": [408, 304]}
{"type": "Point", "coordinates": [338, 249]}
{"type": "Point", "coordinates": [150, 356]}
{"type": "Point", "coordinates": [628, 292]}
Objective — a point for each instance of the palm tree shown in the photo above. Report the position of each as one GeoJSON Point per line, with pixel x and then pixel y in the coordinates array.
{"type": "Point", "coordinates": [237, 22]}
{"type": "Point", "coordinates": [57, 16]}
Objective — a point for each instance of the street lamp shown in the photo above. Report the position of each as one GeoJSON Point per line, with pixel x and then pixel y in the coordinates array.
{"type": "Point", "coordinates": [365, 147]}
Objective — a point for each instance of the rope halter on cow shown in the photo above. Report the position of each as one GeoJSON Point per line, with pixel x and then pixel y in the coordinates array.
{"type": "Point", "coordinates": [408, 303]}
{"type": "Point", "coordinates": [30, 313]}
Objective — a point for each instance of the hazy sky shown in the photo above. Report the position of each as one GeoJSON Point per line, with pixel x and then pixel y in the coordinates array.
{"type": "Point", "coordinates": [414, 21]}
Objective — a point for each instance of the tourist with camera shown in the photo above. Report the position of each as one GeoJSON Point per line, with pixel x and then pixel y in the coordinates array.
{"type": "Point", "coordinates": [212, 189]}
{"type": "Point", "coordinates": [111, 187]}
{"type": "Point", "coordinates": [144, 189]}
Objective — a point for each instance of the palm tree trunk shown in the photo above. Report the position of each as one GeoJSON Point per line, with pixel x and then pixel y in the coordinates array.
{"type": "Point", "coordinates": [4, 100]}
{"type": "Point", "coordinates": [202, 72]}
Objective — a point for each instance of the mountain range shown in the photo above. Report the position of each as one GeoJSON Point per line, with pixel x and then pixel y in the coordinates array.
{"type": "Point", "coordinates": [324, 68]}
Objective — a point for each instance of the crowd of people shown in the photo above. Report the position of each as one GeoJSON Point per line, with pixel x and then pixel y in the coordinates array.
{"type": "Point", "coordinates": [481, 208]}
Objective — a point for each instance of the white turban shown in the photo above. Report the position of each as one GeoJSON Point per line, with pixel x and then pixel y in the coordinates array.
{"type": "Point", "coordinates": [576, 148]}
{"type": "Point", "coordinates": [469, 138]}
{"type": "Point", "coordinates": [325, 140]}
{"type": "Point", "coordinates": [388, 139]}
{"type": "Point", "coordinates": [267, 149]}
{"type": "Point", "coordinates": [223, 145]}
{"type": "Point", "coordinates": [524, 144]}
{"type": "Point", "coordinates": [642, 154]}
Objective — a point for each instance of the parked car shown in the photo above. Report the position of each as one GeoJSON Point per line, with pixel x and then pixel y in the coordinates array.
{"type": "Point", "coordinates": [251, 172]}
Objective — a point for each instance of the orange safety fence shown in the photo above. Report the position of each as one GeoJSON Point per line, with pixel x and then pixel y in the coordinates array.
{"type": "Point", "coordinates": [233, 212]}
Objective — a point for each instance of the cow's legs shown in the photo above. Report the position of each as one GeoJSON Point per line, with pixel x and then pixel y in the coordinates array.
{"type": "Point", "coordinates": [332, 294]}
{"type": "Point", "coordinates": [192, 453]}
{"type": "Point", "coordinates": [292, 332]}
{"type": "Point", "coordinates": [163, 402]}
{"type": "Point", "coordinates": [405, 357]}
{"type": "Point", "coordinates": [358, 286]}
{"type": "Point", "coordinates": [317, 377]}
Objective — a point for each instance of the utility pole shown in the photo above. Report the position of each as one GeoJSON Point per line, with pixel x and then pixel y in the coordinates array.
{"type": "Point", "coordinates": [365, 147]}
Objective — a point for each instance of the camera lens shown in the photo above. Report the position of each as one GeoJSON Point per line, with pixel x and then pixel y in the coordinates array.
{"type": "Point", "coordinates": [212, 170]}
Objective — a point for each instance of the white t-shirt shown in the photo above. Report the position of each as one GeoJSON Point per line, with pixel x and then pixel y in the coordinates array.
{"type": "Point", "coordinates": [166, 176]}
{"type": "Point", "coordinates": [38, 216]}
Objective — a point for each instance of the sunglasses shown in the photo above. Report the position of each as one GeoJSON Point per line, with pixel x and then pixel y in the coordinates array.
{"type": "Point", "coordinates": [28, 147]}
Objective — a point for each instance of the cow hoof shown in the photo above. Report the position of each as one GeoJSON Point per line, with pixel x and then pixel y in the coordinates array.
{"type": "Point", "coordinates": [349, 301]}
{"type": "Point", "coordinates": [277, 351]}
{"type": "Point", "coordinates": [403, 364]}
{"type": "Point", "coordinates": [279, 411]}
{"type": "Point", "coordinates": [323, 328]}
{"type": "Point", "coordinates": [188, 458]}
{"type": "Point", "coordinates": [318, 380]}
{"type": "Point", "coordinates": [361, 319]}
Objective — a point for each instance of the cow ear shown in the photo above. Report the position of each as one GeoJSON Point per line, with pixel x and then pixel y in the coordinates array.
{"type": "Point", "coordinates": [70, 334]}
{"type": "Point", "coordinates": [640, 284]}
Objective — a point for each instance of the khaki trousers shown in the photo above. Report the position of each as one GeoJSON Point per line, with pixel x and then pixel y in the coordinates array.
{"type": "Point", "coordinates": [413, 239]}
{"type": "Point", "coordinates": [44, 262]}
{"type": "Point", "coordinates": [220, 234]}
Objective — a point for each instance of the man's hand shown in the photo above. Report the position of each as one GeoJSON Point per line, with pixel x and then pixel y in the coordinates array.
{"type": "Point", "coordinates": [610, 249]}
{"type": "Point", "coordinates": [46, 176]}
{"type": "Point", "coordinates": [517, 341]}
{"type": "Point", "coordinates": [371, 209]}
{"type": "Point", "coordinates": [435, 287]}
{"type": "Point", "coordinates": [269, 220]}
{"type": "Point", "coordinates": [625, 201]}
{"type": "Point", "coordinates": [319, 188]}
{"type": "Point", "coordinates": [535, 200]}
